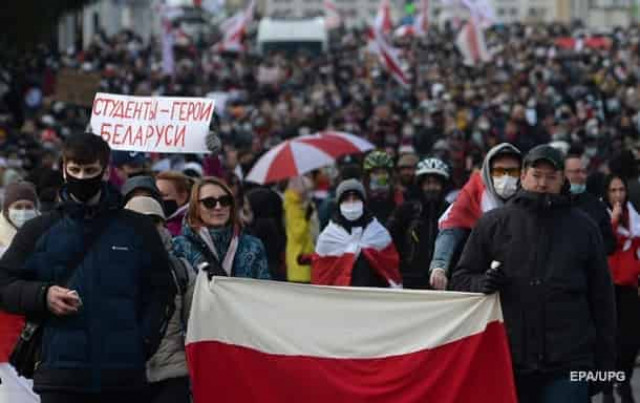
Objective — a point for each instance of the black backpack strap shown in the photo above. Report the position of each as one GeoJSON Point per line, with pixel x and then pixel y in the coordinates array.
{"type": "Point", "coordinates": [180, 276]}
{"type": "Point", "coordinates": [210, 264]}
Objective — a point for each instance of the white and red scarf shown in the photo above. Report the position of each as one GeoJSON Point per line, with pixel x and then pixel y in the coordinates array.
{"type": "Point", "coordinates": [337, 251]}
{"type": "Point", "coordinates": [226, 261]}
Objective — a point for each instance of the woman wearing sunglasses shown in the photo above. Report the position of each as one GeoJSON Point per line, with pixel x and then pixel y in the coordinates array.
{"type": "Point", "coordinates": [212, 238]}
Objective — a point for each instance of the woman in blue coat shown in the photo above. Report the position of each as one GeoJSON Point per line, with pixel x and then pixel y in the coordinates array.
{"type": "Point", "coordinates": [213, 238]}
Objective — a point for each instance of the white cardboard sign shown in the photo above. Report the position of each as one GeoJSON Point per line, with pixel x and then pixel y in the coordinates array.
{"type": "Point", "coordinates": [152, 124]}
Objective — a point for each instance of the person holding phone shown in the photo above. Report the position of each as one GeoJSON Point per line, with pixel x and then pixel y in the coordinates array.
{"type": "Point", "coordinates": [91, 250]}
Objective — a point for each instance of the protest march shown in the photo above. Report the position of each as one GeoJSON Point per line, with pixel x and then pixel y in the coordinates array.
{"type": "Point", "coordinates": [414, 209]}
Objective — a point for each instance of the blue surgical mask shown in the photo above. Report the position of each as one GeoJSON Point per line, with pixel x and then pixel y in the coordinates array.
{"type": "Point", "coordinates": [577, 189]}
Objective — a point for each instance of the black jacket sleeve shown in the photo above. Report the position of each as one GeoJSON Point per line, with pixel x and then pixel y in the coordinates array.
{"type": "Point", "coordinates": [156, 288]}
{"type": "Point", "coordinates": [475, 259]}
{"type": "Point", "coordinates": [397, 225]}
{"type": "Point", "coordinates": [606, 229]}
{"type": "Point", "coordinates": [602, 304]}
{"type": "Point", "coordinates": [19, 292]}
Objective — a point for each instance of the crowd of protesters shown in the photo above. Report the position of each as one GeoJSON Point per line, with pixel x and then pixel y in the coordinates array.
{"type": "Point", "coordinates": [460, 143]}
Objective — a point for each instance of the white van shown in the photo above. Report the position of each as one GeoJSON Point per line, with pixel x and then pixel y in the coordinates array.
{"type": "Point", "coordinates": [292, 35]}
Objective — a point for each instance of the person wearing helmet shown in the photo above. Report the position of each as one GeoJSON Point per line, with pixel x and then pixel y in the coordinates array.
{"type": "Point", "coordinates": [486, 190]}
{"type": "Point", "coordinates": [414, 225]}
{"type": "Point", "coordinates": [378, 181]}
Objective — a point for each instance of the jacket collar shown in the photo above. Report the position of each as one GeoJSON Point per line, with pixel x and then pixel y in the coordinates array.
{"type": "Point", "coordinates": [110, 200]}
{"type": "Point", "coordinates": [540, 201]}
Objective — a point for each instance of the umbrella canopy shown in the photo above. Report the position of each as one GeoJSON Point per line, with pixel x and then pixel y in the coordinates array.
{"type": "Point", "coordinates": [303, 154]}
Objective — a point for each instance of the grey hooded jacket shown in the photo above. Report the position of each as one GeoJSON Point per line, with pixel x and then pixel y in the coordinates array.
{"type": "Point", "coordinates": [450, 241]}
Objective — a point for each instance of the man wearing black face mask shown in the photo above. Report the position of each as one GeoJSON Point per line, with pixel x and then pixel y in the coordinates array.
{"type": "Point", "coordinates": [414, 225]}
{"type": "Point", "coordinates": [100, 278]}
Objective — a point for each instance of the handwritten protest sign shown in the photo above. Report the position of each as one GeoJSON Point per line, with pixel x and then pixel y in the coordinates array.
{"type": "Point", "coordinates": [76, 88]}
{"type": "Point", "coordinates": [152, 124]}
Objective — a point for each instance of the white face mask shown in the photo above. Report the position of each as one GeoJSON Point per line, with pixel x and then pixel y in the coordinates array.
{"type": "Point", "coordinates": [19, 217]}
{"type": "Point", "coordinates": [505, 186]}
{"type": "Point", "coordinates": [352, 210]}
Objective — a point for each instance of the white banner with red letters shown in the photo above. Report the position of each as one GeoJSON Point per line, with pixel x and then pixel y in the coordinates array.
{"type": "Point", "coordinates": [152, 124]}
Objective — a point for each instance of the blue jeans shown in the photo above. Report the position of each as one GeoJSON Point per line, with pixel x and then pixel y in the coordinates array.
{"type": "Point", "coordinates": [554, 388]}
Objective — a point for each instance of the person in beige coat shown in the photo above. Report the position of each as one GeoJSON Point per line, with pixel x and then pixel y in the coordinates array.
{"type": "Point", "coordinates": [167, 371]}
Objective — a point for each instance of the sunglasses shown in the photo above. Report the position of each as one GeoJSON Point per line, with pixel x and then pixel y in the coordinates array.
{"type": "Point", "coordinates": [498, 172]}
{"type": "Point", "coordinates": [211, 202]}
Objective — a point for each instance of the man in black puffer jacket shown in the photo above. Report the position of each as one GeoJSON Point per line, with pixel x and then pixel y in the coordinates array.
{"type": "Point", "coordinates": [547, 260]}
{"type": "Point", "coordinates": [99, 279]}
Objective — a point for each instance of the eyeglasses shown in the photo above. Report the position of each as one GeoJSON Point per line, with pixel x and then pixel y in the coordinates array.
{"type": "Point", "coordinates": [211, 202]}
{"type": "Point", "coordinates": [498, 172]}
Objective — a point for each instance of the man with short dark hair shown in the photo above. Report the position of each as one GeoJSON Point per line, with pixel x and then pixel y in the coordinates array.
{"type": "Point", "coordinates": [546, 258]}
{"type": "Point", "coordinates": [98, 277]}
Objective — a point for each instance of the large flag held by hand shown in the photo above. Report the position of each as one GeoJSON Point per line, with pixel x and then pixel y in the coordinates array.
{"type": "Point", "coordinates": [272, 342]}
{"type": "Point", "coordinates": [383, 21]}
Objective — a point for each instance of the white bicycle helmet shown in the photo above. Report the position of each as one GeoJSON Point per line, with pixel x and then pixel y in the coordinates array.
{"type": "Point", "coordinates": [432, 166]}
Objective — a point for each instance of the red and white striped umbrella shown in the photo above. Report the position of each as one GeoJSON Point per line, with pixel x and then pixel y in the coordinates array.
{"type": "Point", "coordinates": [303, 154]}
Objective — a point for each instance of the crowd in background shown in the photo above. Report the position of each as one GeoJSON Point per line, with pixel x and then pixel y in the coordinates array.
{"type": "Point", "coordinates": [430, 139]}
{"type": "Point", "coordinates": [532, 92]}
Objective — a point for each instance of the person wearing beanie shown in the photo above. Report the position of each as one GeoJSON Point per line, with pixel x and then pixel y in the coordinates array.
{"type": "Point", "coordinates": [355, 249]}
{"type": "Point", "coordinates": [167, 372]}
{"type": "Point", "coordinates": [546, 258]}
{"type": "Point", "coordinates": [141, 186]}
{"type": "Point", "coordinates": [20, 205]}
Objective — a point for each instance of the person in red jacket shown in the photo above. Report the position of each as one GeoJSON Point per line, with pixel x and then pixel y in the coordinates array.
{"type": "Point", "coordinates": [625, 268]}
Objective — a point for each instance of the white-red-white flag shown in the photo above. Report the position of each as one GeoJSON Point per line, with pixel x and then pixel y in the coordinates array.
{"type": "Point", "coordinates": [388, 56]}
{"type": "Point", "coordinates": [421, 22]}
{"type": "Point", "coordinates": [383, 21]}
{"type": "Point", "coordinates": [338, 250]}
{"type": "Point", "coordinates": [235, 29]}
{"type": "Point", "coordinates": [472, 44]}
{"type": "Point", "coordinates": [272, 342]}
{"type": "Point", "coordinates": [332, 18]}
